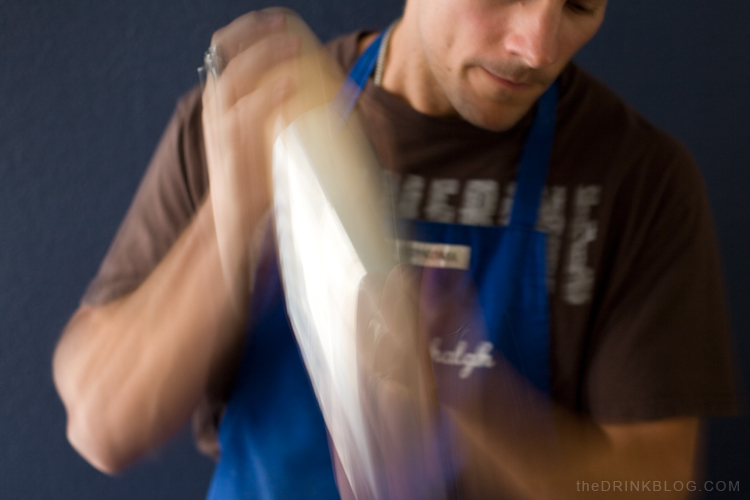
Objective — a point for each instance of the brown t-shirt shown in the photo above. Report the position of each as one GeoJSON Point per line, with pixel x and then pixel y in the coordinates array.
{"type": "Point", "coordinates": [638, 322]}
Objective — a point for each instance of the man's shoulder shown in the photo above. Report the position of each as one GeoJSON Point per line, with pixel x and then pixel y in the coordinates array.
{"type": "Point", "coordinates": [345, 48]}
{"type": "Point", "coordinates": [593, 109]}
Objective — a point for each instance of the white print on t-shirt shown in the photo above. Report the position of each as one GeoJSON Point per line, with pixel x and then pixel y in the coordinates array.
{"type": "Point", "coordinates": [411, 197]}
{"type": "Point", "coordinates": [579, 278]}
{"type": "Point", "coordinates": [484, 202]}
{"type": "Point", "coordinates": [438, 208]}
{"type": "Point", "coordinates": [480, 358]}
{"type": "Point", "coordinates": [552, 221]}
{"type": "Point", "coordinates": [480, 203]}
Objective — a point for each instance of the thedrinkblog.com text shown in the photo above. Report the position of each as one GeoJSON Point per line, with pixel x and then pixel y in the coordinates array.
{"type": "Point", "coordinates": [656, 486]}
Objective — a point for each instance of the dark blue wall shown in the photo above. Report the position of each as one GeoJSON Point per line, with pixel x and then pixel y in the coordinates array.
{"type": "Point", "coordinates": [86, 88]}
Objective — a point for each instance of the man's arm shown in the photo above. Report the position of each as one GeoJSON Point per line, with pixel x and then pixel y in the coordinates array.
{"type": "Point", "coordinates": [130, 372]}
{"type": "Point", "coordinates": [659, 355]}
{"type": "Point", "coordinates": [582, 458]}
{"type": "Point", "coordinates": [505, 436]}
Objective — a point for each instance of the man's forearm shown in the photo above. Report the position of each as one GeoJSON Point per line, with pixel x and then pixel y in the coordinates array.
{"type": "Point", "coordinates": [130, 372]}
{"type": "Point", "coordinates": [545, 453]}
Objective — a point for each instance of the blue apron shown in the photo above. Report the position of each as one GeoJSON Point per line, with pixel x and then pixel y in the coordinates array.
{"type": "Point", "coordinates": [273, 439]}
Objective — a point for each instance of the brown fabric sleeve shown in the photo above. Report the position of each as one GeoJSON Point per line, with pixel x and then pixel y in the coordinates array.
{"type": "Point", "coordinates": [168, 196]}
{"type": "Point", "coordinates": [660, 345]}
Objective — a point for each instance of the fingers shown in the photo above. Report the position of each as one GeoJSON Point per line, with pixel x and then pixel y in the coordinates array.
{"type": "Point", "coordinates": [394, 327]}
{"type": "Point", "coordinates": [400, 350]}
{"type": "Point", "coordinates": [399, 308]}
{"type": "Point", "coordinates": [244, 72]}
{"type": "Point", "coordinates": [237, 151]}
{"type": "Point", "coordinates": [249, 48]}
{"type": "Point", "coordinates": [401, 403]}
{"type": "Point", "coordinates": [399, 297]}
{"type": "Point", "coordinates": [244, 129]}
{"type": "Point", "coordinates": [247, 30]}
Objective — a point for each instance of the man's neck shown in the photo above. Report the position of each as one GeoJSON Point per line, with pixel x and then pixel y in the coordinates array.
{"type": "Point", "coordinates": [407, 74]}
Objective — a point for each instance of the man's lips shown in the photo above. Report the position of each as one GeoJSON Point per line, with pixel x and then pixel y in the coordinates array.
{"type": "Point", "coordinates": [512, 84]}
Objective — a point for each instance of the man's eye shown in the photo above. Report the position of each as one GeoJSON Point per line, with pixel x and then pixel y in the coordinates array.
{"type": "Point", "coordinates": [579, 8]}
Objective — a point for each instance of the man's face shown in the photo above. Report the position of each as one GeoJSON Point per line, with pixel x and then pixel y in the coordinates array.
{"type": "Point", "coordinates": [492, 59]}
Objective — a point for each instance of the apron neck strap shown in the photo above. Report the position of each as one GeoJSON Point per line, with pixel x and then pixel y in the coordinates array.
{"type": "Point", "coordinates": [534, 163]}
{"type": "Point", "coordinates": [357, 79]}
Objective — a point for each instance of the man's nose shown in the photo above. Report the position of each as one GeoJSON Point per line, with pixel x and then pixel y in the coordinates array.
{"type": "Point", "coordinates": [534, 34]}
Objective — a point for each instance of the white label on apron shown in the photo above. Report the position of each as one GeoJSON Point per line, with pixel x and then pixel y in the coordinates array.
{"type": "Point", "coordinates": [419, 253]}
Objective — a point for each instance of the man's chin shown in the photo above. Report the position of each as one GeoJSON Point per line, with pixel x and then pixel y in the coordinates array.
{"type": "Point", "coordinates": [492, 105]}
{"type": "Point", "coordinates": [493, 116]}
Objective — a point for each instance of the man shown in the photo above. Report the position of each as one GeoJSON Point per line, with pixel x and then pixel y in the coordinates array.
{"type": "Point", "coordinates": [637, 331]}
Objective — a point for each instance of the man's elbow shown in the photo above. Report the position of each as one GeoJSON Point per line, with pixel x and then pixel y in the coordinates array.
{"type": "Point", "coordinates": [88, 432]}
{"type": "Point", "coordinates": [98, 449]}
{"type": "Point", "coordinates": [88, 408]}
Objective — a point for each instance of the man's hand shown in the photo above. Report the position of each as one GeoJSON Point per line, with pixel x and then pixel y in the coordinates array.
{"type": "Point", "coordinates": [491, 433]}
{"type": "Point", "coordinates": [238, 107]}
{"type": "Point", "coordinates": [398, 389]}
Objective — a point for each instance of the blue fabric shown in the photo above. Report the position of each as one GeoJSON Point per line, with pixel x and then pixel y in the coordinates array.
{"type": "Point", "coordinates": [273, 438]}
{"type": "Point", "coordinates": [357, 78]}
{"type": "Point", "coordinates": [508, 273]}
{"type": "Point", "coordinates": [534, 163]}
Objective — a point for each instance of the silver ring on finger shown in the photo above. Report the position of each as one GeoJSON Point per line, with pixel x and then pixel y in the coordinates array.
{"type": "Point", "coordinates": [213, 61]}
